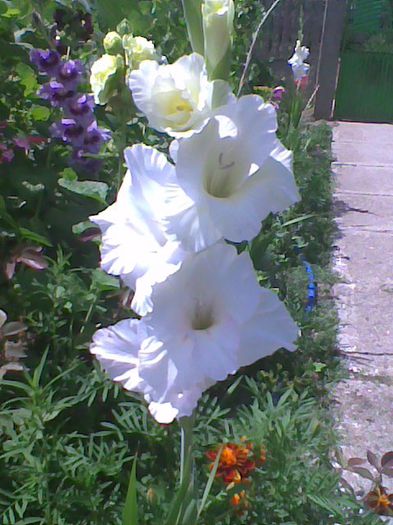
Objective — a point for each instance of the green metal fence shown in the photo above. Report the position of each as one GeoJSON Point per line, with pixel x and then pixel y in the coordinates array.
{"type": "Point", "coordinates": [365, 15]}
{"type": "Point", "coordinates": [365, 87]}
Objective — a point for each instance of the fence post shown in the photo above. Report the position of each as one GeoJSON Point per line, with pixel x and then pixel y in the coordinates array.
{"type": "Point", "coordinates": [332, 33]}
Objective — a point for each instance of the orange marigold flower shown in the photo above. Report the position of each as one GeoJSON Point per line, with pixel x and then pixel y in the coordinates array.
{"type": "Point", "coordinates": [235, 500]}
{"type": "Point", "coordinates": [236, 462]}
{"type": "Point", "coordinates": [240, 502]}
{"type": "Point", "coordinates": [380, 501]}
{"type": "Point", "coordinates": [262, 456]}
{"type": "Point", "coordinates": [228, 457]}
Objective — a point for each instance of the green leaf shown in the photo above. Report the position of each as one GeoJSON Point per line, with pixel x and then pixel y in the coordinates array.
{"type": "Point", "coordinates": [209, 483]}
{"type": "Point", "coordinates": [28, 79]}
{"type": "Point", "coordinates": [104, 282]}
{"type": "Point", "coordinates": [35, 237]}
{"type": "Point", "coordinates": [87, 188]}
{"type": "Point", "coordinates": [387, 460]}
{"type": "Point", "coordinates": [11, 12]}
{"type": "Point", "coordinates": [83, 226]}
{"type": "Point", "coordinates": [69, 174]}
{"type": "Point", "coordinates": [36, 378]}
{"type": "Point", "coordinates": [40, 113]}
{"type": "Point", "coordinates": [181, 500]}
{"type": "Point", "coordinates": [130, 513]}
{"type": "Point", "coordinates": [298, 219]}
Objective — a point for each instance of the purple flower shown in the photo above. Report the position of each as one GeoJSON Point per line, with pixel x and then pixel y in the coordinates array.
{"type": "Point", "coordinates": [56, 93]}
{"type": "Point", "coordinates": [6, 154]}
{"type": "Point", "coordinates": [47, 61]}
{"type": "Point", "coordinates": [95, 137]}
{"type": "Point", "coordinates": [278, 93]}
{"type": "Point", "coordinates": [80, 108]}
{"type": "Point", "coordinates": [69, 131]}
{"type": "Point", "coordinates": [69, 73]}
{"type": "Point", "coordinates": [79, 129]}
{"type": "Point", "coordinates": [82, 163]}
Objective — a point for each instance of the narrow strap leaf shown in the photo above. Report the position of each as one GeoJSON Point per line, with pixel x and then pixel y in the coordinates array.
{"type": "Point", "coordinates": [209, 483]}
{"type": "Point", "coordinates": [130, 513]}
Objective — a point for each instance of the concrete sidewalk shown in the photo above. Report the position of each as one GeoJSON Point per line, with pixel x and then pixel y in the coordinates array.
{"type": "Point", "coordinates": [364, 260]}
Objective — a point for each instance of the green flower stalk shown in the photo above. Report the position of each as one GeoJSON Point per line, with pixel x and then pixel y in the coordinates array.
{"type": "Point", "coordinates": [217, 18]}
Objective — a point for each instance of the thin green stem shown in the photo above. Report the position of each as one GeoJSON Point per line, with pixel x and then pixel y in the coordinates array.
{"type": "Point", "coordinates": [252, 46]}
{"type": "Point", "coordinates": [186, 459]}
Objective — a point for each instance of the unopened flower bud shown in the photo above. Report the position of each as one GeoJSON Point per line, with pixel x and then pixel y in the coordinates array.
{"type": "Point", "coordinates": [113, 43]}
{"type": "Point", "coordinates": [218, 18]}
{"type": "Point", "coordinates": [123, 28]}
{"type": "Point", "coordinates": [106, 75]}
{"type": "Point", "coordinates": [151, 496]}
{"type": "Point", "coordinates": [138, 49]}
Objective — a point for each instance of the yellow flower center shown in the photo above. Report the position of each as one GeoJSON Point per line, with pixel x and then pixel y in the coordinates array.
{"type": "Point", "coordinates": [172, 105]}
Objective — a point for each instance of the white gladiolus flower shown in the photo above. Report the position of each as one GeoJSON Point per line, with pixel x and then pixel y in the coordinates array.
{"type": "Point", "coordinates": [134, 244]}
{"type": "Point", "coordinates": [299, 68]}
{"type": "Point", "coordinates": [209, 319]}
{"type": "Point", "coordinates": [243, 174]}
{"type": "Point", "coordinates": [176, 98]}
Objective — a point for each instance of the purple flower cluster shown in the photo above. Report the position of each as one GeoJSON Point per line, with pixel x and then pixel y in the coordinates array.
{"type": "Point", "coordinates": [79, 127]}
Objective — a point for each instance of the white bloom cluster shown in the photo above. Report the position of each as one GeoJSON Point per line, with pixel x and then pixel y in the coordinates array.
{"type": "Point", "coordinates": [299, 68]}
{"type": "Point", "coordinates": [205, 315]}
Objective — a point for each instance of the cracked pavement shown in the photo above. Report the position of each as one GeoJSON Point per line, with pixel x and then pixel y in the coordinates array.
{"type": "Point", "coordinates": [364, 260]}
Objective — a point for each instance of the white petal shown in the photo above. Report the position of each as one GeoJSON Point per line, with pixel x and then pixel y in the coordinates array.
{"type": "Point", "coordinates": [150, 173]}
{"type": "Point", "coordinates": [169, 259]}
{"type": "Point", "coordinates": [180, 405]}
{"type": "Point", "coordinates": [188, 71]}
{"type": "Point", "coordinates": [141, 81]}
{"type": "Point", "coordinates": [134, 242]}
{"type": "Point", "coordinates": [192, 226]}
{"type": "Point", "coordinates": [3, 318]}
{"type": "Point", "coordinates": [117, 350]}
{"type": "Point", "coordinates": [270, 329]}
{"type": "Point", "coordinates": [257, 125]}
{"type": "Point", "coordinates": [157, 367]}
{"type": "Point", "coordinates": [271, 189]}
{"type": "Point", "coordinates": [163, 413]}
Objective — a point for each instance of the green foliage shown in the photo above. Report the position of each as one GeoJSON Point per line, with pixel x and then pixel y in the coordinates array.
{"type": "Point", "coordinates": [68, 435]}
{"type": "Point", "coordinates": [130, 514]}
